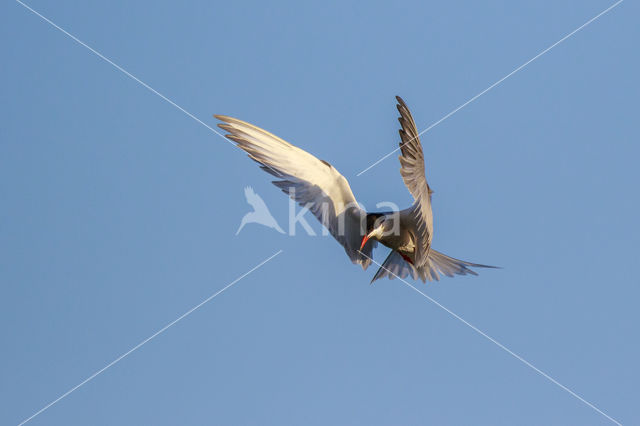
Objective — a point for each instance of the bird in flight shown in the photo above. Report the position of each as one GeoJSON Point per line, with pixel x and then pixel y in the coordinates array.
{"type": "Point", "coordinates": [318, 186]}
{"type": "Point", "coordinates": [260, 213]}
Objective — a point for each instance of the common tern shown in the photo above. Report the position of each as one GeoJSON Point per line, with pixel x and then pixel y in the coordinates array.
{"type": "Point", "coordinates": [318, 186]}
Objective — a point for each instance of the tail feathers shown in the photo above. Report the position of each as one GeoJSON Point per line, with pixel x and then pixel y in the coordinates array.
{"type": "Point", "coordinates": [396, 267]}
{"type": "Point", "coordinates": [449, 266]}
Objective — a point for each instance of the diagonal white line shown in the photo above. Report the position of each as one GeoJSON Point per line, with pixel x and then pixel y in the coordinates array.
{"type": "Point", "coordinates": [157, 333]}
{"type": "Point", "coordinates": [500, 345]}
{"type": "Point", "coordinates": [124, 71]}
{"type": "Point", "coordinates": [128, 74]}
{"type": "Point", "coordinates": [497, 83]}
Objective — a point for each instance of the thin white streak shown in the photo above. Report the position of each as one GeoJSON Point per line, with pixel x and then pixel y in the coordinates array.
{"type": "Point", "coordinates": [500, 345]}
{"type": "Point", "coordinates": [497, 83]}
{"type": "Point", "coordinates": [119, 68]}
{"type": "Point", "coordinates": [136, 347]}
{"type": "Point", "coordinates": [128, 74]}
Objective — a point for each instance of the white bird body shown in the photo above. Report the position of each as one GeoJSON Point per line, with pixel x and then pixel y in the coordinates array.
{"type": "Point", "coordinates": [318, 186]}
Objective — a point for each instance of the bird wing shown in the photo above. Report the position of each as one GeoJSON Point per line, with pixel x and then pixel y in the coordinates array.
{"type": "Point", "coordinates": [313, 183]}
{"type": "Point", "coordinates": [394, 266]}
{"type": "Point", "coordinates": [412, 171]}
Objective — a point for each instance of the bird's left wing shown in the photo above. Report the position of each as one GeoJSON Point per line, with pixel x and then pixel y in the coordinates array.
{"type": "Point", "coordinates": [413, 174]}
{"type": "Point", "coordinates": [313, 183]}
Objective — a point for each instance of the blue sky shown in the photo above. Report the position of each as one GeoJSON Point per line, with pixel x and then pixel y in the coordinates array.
{"type": "Point", "coordinates": [119, 212]}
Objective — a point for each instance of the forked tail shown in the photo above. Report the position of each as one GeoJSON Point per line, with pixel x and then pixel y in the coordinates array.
{"type": "Point", "coordinates": [395, 266]}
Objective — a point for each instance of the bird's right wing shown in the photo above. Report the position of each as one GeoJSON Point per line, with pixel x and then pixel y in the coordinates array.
{"type": "Point", "coordinates": [313, 183]}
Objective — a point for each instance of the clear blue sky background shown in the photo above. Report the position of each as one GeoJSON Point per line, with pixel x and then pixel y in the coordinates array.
{"type": "Point", "coordinates": [118, 213]}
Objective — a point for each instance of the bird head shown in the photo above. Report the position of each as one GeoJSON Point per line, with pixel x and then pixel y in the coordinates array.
{"type": "Point", "coordinates": [375, 228]}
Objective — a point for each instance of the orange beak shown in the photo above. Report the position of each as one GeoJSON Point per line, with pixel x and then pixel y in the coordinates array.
{"type": "Point", "coordinates": [364, 241]}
